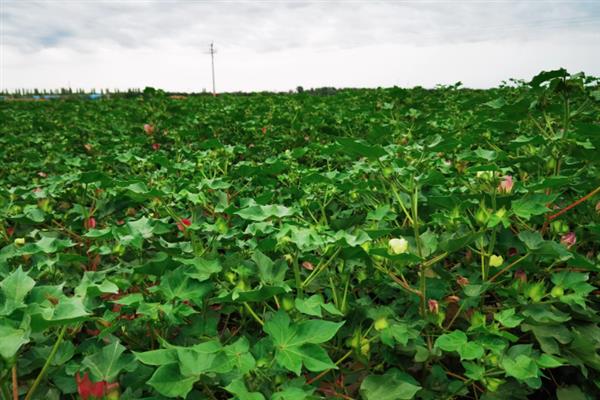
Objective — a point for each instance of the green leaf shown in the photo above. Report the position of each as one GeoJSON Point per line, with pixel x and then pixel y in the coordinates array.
{"type": "Point", "coordinates": [316, 331]}
{"type": "Point", "coordinates": [451, 341]}
{"type": "Point", "coordinates": [15, 288]}
{"type": "Point", "coordinates": [34, 213]}
{"type": "Point", "coordinates": [548, 361]}
{"type": "Point", "coordinates": [179, 285]}
{"type": "Point", "coordinates": [157, 357]}
{"type": "Point", "coordinates": [141, 227]}
{"type": "Point", "coordinates": [508, 318]}
{"type": "Point", "coordinates": [238, 388]}
{"type": "Point", "coordinates": [521, 367]}
{"type": "Point", "coordinates": [470, 351]}
{"type": "Point", "coordinates": [108, 363]}
{"type": "Point", "coordinates": [532, 205]}
{"type": "Point", "coordinates": [270, 273]}
{"type": "Point", "coordinates": [474, 371]}
{"type": "Point", "coordinates": [198, 359]}
{"type": "Point", "coordinates": [393, 385]}
{"type": "Point", "coordinates": [12, 340]}
{"type": "Point", "coordinates": [239, 356]}
{"type": "Point", "coordinates": [570, 393]}
{"type": "Point", "coordinates": [313, 305]}
{"type": "Point", "coordinates": [168, 381]}
{"type": "Point", "coordinates": [51, 245]}
{"type": "Point", "coordinates": [356, 148]}
{"type": "Point", "coordinates": [315, 358]}
{"type": "Point", "coordinates": [202, 268]}
{"type": "Point", "coordinates": [264, 293]}
{"type": "Point", "coordinates": [545, 313]}
{"type": "Point", "coordinates": [292, 393]}
{"type": "Point", "coordinates": [533, 240]}
{"type": "Point", "coordinates": [545, 76]}
{"type": "Point", "coordinates": [261, 213]}
{"type": "Point", "coordinates": [67, 309]}
{"type": "Point", "coordinates": [310, 305]}
{"type": "Point", "coordinates": [297, 343]}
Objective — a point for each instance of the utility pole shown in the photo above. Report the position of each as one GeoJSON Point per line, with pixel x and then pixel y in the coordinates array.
{"type": "Point", "coordinates": [212, 52]}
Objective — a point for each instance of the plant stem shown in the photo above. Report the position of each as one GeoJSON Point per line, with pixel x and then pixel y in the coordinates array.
{"type": "Point", "coordinates": [319, 268]}
{"type": "Point", "coordinates": [509, 266]}
{"type": "Point", "coordinates": [5, 391]}
{"type": "Point", "coordinates": [486, 261]}
{"type": "Point", "coordinates": [574, 204]}
{"type": "Point", "coordinates": [322, 374]}
{"type": "Point", "coordinates": [296, 268]}
{"type": "Point", "coordinates": [423, 267]}
{"type": "Point", "coordinates": [209, 392]}
{"type": "Point", "coordinates": [15, 382]}
{"type": "Point", "coordinates": [38, 379]}
{"type": "Point", "coordinates": [254, 315]}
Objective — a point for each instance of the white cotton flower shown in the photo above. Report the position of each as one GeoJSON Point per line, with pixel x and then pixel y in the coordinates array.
{"type": "Point", "coordinates": [398, 245]}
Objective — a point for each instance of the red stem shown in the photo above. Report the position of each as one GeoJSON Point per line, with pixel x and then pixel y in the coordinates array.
{"type": "Point", "coordinates": [574, 204]}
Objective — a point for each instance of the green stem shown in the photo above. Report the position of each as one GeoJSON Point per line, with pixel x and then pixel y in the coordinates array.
{"type": "Point", "coordinates": [334, 293]}
{"type": "Point", "coordinates": [209, 392]}
{"type": "Point", "coordinates": [509, 266]}
{"type": "Point", "coordinates": [423, 267]}
{"type": "Point", "coordinates": [254, 315]}
{"type": "Point", "coordinates": [345, 298]}
{"type": "Point", "coordinates": [40, 376]}
{"type": "Point", "coordinates": [492, 240]}
{"type": "Point", "coordinates": [399, 199]}
{"type": "Point", "coordinates": [296, 268]}
{"type": "Point", "coordinates": [5, 391]}
{"type": "Point", "coordinates": [319, 268]}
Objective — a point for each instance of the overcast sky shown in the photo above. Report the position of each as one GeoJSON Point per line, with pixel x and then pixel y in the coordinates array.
{"type": "Point", "coordinates": [278, 45]}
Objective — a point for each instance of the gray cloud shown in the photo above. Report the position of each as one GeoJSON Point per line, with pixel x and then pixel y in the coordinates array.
{"type": "Point", "coordinates": [76, 35]}
{"type": "Point", "coordinates": [272, 26]}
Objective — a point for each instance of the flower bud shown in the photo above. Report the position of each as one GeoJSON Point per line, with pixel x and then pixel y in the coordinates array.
{"type": "Point", "coordinates": [433, 305]}
{"type": "Point", "coordinates": [19, 241]}
{"type": "Point", "coordinates": [452, 299]}
{"type": "Point", "coordinates": [398, 245]}
{"type": "Point", "coordinates": [520, 275]}
{"type": "Point", "coordinates": [89, 223]}
{"type": "Point", "coordinates": [308, 265]}
{"type": "Point", "coordinates": [462, 281]}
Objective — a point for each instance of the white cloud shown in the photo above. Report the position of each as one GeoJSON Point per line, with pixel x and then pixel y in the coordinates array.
{"type": "Point", "coordinates": [279, 45]}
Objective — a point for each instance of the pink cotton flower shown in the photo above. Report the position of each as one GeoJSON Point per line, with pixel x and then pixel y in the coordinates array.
{"type": "Point", "coordinates": [183, 224]}
{"type": "Point", "coordinates": [568, 239]}
{"type": "Point", "coordinates": [506, 184]}
{"type": "Point", "coordinates": [149, 129]}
